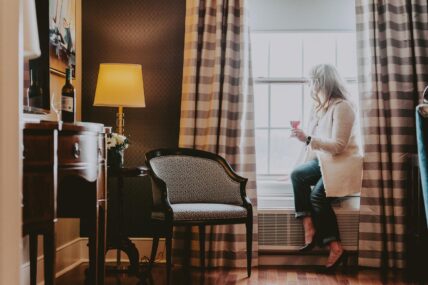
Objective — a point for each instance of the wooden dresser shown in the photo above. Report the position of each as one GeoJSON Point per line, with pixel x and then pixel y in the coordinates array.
{"type": "Point", "coordinates": [65, 176]}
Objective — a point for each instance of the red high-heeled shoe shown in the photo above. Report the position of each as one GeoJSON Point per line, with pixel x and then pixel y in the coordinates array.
{"type": "Point", "coordinates": [343, 259]}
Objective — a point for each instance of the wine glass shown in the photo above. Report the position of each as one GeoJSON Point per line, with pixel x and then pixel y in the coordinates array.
{"type": "Point", "coordinates": [56, 105]}
{"type": "Point", "coordinates": [294, 124]}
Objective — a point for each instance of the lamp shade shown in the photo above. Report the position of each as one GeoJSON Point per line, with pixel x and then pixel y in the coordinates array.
{"type": "Point", "coordinates": [120, 85]}
{"type": "Point", "coordinates": [31, 34]}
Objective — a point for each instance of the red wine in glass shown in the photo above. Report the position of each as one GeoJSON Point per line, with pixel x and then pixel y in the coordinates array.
{"type": "Point", "coordinates": [294, 124]}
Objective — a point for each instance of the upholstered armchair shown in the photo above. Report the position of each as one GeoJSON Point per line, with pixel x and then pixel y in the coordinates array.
{"type": "Point", "coordinates": [422, 144]}
{"type": "Point", "coordinates": [192, 187]}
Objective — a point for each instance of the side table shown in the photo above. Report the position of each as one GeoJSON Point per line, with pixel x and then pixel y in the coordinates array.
{"type": "Point", "coordinates": [120, 240]}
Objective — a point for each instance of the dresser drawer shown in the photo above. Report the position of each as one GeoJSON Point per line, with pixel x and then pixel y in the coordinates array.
{"type": "Point", "coordinates": [38, 149]}
{"type": "Point", "coordinates": [78, 149]}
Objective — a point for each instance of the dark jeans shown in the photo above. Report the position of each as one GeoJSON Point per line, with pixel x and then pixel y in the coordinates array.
{"type": "Point", "coordinates": [313, 202]}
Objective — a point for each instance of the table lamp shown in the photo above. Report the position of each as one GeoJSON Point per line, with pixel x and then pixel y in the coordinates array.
{"type": "Point", "coordinates": [120, 85]}
{"type": "Point", "coordinates": [31, 33]}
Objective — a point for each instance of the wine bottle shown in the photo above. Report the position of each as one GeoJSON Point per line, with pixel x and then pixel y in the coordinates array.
{"type": "Point", "coordinates": [68, 99]}
{"type": "Point", "coordinates": [34, 92]}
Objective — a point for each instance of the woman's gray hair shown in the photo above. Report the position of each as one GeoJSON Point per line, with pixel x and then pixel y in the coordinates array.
{"type": "Point", "coordinates": [326, 78]}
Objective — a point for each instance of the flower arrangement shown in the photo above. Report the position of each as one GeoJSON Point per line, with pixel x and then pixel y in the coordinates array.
{"type": "Point", "coordinates": [117, 142]}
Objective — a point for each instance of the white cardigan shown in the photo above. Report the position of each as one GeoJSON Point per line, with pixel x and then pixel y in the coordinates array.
{"type": "Point", "coordinates": [334, 141]}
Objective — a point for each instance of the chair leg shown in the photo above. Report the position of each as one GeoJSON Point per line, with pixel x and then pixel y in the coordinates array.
{"type": "Point", "coordinates": [168, 244]}
{"type": "Point", "coordinates": [155, 244]}
{"type": "Point", "coordinates": [33, 258]}
{"type": "Point", "coordinates": [202, 246]}
{"type": "Point", "coordinates": [249, 227]}
{"type": "Point", "coordinates": [187, 248]}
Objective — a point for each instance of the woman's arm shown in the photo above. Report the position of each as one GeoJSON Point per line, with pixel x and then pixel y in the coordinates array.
{"type": "Point", "coordinates": [343, 123]}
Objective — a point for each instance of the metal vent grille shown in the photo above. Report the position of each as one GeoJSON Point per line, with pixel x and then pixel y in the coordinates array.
{"type": "Point", "coordinates": [349, 229]}
{"type": "Point", "coordinates": [280, 230]}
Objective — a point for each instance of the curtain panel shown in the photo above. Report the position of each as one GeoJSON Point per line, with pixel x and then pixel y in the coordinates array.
{"type": "Point", "coordinates": [392, 39]}
{"type": "Point", "coordinates": [217, 113]}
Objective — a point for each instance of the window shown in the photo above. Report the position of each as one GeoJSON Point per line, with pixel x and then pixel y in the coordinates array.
{"type": "Point", "coordinates": [281, 63]}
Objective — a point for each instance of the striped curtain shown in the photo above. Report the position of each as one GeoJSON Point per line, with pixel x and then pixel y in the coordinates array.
{"type": "Point", "coordinates": [217, 111]}
{"type": "Point", "coordinates": [392, 41]}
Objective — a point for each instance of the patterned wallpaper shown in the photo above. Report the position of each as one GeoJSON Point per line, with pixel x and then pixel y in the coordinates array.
{"type": "Point", "coordinates": [150, 33]}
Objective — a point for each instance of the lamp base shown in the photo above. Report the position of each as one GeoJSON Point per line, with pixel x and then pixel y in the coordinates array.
{"type": "Point", "coordinates": [120, 121]}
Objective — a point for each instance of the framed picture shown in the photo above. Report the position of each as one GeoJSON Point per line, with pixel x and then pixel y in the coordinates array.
{"type": "Point", "coordinates": [62, 36]}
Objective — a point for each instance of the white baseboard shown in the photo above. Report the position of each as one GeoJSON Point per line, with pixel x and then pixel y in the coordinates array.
{"type": "Point", "coordinates": [67, 258]}
{"type": "Point", "coordinates": [75, 252]}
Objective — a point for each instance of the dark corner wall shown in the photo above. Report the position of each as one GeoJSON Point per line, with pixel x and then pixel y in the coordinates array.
{"type": "Point", "coordinates": [146, 32]}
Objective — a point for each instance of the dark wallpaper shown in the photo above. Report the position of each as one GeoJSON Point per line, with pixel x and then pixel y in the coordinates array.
{"type": "Point", "coordinates": [146, 32]}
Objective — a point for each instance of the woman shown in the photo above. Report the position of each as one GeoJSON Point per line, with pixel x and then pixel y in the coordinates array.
{"type": "Point", "coordinates": [332, 163]}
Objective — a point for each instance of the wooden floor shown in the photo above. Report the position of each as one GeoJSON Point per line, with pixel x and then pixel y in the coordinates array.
{"type": "Point", "coordinates": [263, 275]}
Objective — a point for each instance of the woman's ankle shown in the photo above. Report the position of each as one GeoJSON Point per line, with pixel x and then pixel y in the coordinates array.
{"type": "Point", "coordinates": [308, 224]}
{"type": "Point", "coordinates": [309, 229]}
{"type": "Point", "coordinates": [336, 247]}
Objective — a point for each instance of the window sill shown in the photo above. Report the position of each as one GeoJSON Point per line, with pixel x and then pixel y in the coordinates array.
{"type": "Point", "coordinates": [274, 187]}
{"type": "Point", "coordinates": [272, 203]}
{"type": "Point", "coordinates": [278, 187]}
{"type": "Point", "coordinates": [276, 193]}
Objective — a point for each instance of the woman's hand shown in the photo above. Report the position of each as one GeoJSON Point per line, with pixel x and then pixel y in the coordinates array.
{"type": "Point", "coordinates": [299, 134]}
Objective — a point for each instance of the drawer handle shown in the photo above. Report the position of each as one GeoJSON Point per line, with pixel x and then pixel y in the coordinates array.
{"type": "Point", "coordinates": [76, 150]}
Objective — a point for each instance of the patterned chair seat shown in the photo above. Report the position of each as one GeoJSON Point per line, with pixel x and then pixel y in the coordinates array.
{"type": "Point", "coordinates": [203, 211]}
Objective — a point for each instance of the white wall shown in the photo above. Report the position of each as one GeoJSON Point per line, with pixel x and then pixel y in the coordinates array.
{"type": "Point", "coordinates": [10, 138]}
{"type": "Point", "coordinates": [322, 15]}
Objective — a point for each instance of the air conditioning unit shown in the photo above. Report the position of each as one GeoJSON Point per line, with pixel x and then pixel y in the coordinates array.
{"type": "Point", "coordinates": [280, 231]}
